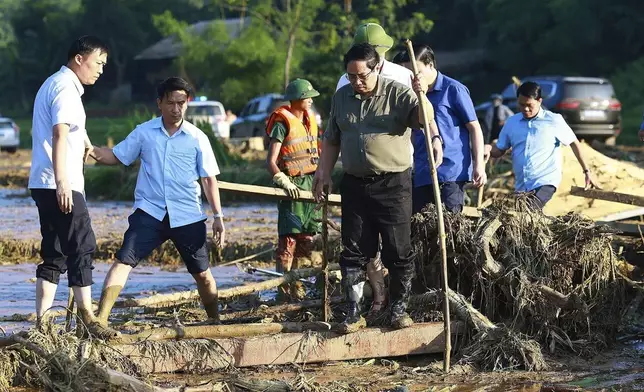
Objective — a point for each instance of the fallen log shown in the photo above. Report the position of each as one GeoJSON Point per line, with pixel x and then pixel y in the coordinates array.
{"type": "Point", "coordinates": [224, 331]}
{"type": "Point", "coordinates": [285, 348]}
{"type": "Point", "coordinates": [600, 194]}
{"type": "Point", "coordinates": [192, 295]}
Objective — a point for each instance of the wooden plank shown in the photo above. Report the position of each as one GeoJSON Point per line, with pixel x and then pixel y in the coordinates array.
{"type": "Point", "coordinates": [600, 194]}
{"type": "Point", "coordinates": [621, 215]}
{"type": "Point", "coordinates": [280, 194]}
{"type": "Point", "coordinates": [285, 348]}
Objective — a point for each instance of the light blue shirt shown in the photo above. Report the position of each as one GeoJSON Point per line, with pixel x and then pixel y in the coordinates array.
{"type": "Point", "coordinates": [170, 169]}
{"type": "Point", "coordinates": [535, 143]}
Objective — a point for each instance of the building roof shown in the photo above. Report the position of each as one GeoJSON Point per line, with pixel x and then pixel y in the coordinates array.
{"type": "Point", "coordinates": [169, 47]}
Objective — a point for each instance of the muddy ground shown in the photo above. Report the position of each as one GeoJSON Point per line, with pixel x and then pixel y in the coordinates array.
{"type": "Point", "coordinates": [251, 228]}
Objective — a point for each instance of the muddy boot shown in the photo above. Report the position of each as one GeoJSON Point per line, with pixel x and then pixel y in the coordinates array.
{"type": "Point", "coordinates": [212, 310]}
{"type": "Point", "coordinates": [353, 280]}
{"type": "Point", "coordinates": [88, 324]}
{"type": "Point", "coordinates": [45, 323]}
{"type": "Point", "coordinates": [399, 292]}
{"type": "Point", "coordinates": [284, 256]}
{"type": "Point", "coordinates": [106, 303]}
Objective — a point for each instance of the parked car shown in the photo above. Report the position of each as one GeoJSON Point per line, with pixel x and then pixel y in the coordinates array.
{"type": "Point", "coordinates": [211, 112]}
{"type": "Point", "coordinates": [588, 105]}
{"type": "Point", "coordinates": [9, 135]}
{"type": "Point", "coordinates": [253, 117]}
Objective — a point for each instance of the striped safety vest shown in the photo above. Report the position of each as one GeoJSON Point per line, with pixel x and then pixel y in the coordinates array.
{"type": "Point", "coordinates": [299, 154]}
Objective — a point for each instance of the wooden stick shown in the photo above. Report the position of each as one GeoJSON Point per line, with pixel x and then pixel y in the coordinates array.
{"type": "Point", "coordinates": [326, 308]}
{"type": "Point", "coordinates": [439, 213]}
{"type": "Point", "coordinates": [70, 310]}
{"type": "Point", "coordinates": [273, 193]}
{"type": "Point", "coordinates": [608, 196]}
{"type": "Point", "coordinates": [247, 258]}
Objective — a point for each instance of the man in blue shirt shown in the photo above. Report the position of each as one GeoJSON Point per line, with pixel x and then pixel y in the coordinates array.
{"type": "Point", "coordinates": [460, 133]}
{"type": "Point", "coordinates": [535, 136]}
{"type": "Point", "coordinates": [174, 156]}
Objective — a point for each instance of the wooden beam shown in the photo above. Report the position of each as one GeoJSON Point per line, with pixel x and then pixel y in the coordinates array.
{"type": "Point", "coordinates": [273, 193]}
{"type": "Point", "coordinates": [600, 194]}
{"type": "Point", "coordinates": [280, 194]}
{"type": "Point", "coordinates": [621, 215]}
{"type": "Point", "coordinates": [285, 348]}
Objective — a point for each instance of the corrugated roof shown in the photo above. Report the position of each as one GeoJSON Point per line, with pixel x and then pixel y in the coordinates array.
{"type": "Point", "coordinates": [169, 47]}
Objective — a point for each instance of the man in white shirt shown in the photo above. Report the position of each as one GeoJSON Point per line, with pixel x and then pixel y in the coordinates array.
{"type": "Point", "coordinates": [56, 180]}
{"type": "Point", "coordinates": [375, 35]}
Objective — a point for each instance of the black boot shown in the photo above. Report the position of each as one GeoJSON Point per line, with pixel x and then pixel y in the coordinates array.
{"type": "Point", "coordinates": [353, 280]}
{"type": "Point", "coordinates": [399, 292]}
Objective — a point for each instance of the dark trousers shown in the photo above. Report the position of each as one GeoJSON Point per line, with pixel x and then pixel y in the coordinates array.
{"type": "Point", "coordinates": [452, 196]}
{"type": "Point", "coordinates": [541, 196]}
{"type": "Point", "coordinates": [377, 206]}
{"type": "Point", "coordinates": [68, 241]}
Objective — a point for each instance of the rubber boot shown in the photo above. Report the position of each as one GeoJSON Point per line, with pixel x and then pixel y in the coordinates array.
{"type": "Point", "coordinates": [106, 303]}
{"type": "Point", "coordinates": [284, 256]}
{"type": "Point", "coordinates": [353, 280]}
{"type": "Point", "coordinates": [212, 310]}
{"type": "Point", "coordinates": [88, 323]}
{"type": "Point", "coordinates": [399, 292]}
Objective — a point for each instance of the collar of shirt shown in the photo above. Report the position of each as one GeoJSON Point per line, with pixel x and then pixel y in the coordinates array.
{"type": "Point", "coordinates": [74, 77]}
{"type": "Point", "coordinates": [158, 123]}
{"type": "Point", "coordinates": [438, 85]}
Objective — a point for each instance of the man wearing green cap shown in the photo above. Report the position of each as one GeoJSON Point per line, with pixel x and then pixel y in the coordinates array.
{"type": "Point", "coordinates": [375, 35]}
{"type": "Point", "coordinates": [292, 160]}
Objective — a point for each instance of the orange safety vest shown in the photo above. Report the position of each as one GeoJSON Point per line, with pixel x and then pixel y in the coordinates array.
{"type": "Point", "coordinates": [299, 154]}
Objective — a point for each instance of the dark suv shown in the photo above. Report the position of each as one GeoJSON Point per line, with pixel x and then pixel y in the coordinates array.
{"type": "Point", "coordinates": [588, 105]}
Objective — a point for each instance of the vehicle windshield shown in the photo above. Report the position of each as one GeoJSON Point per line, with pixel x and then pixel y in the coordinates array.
{"type": "Point", "coordinates": [589, 90]}
{"type": "Point", "coordinates": [213, 110]}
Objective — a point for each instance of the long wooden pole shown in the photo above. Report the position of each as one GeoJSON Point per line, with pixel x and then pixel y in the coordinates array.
{"type": "Point", "coordinates": [615, 197]}
{"type": "Point", "coordinates": [439, 213]}
{"type": "Point", "coordinates": [325, 255]}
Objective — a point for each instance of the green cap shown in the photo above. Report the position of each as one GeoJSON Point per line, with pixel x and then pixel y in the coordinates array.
{"type": "Point", "coordinates": [300, 89]}
{"type": "Point", "coordinates": [373, 34]}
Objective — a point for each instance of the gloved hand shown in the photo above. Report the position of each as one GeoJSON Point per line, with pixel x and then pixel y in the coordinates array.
{"type": "Point", "coordinates": [282, 180]}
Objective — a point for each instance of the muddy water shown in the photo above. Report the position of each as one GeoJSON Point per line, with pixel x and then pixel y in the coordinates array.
{"type": "Point", "coordinates": [19, 218]}
{"type": "Point", "coordinates": [18, 288]}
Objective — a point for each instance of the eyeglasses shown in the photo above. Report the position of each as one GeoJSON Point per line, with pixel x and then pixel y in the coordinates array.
{"type": "Point", "coordinates": [363, 78]}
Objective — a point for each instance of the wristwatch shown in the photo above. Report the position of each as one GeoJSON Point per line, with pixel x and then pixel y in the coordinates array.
{"type": "Point", "coordinates": [218, 215]}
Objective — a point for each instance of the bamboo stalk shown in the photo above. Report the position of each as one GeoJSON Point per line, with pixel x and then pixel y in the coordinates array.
{"type": "Point", "coordinates": [273, 193]}
{"type": "Point", "coordinates": [225, 331]}
{"type": "Point", "coordinates": [186, 296]}
{"type": "Point", "coordinates": [70, 310]}
{"type": "Point", "coordinates": [439, 211]}
{"type": "Point", "coordinates": [325, 255]}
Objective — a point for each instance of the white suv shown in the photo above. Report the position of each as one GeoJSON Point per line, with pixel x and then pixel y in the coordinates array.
{"type": "Point", "coordinates": [9, 135]}
{"type": "Point", "coordinates": [211, 112]}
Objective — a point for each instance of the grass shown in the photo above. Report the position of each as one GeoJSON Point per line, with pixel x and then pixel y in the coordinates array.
{"type": "Point", "coordinates": [631, 121]}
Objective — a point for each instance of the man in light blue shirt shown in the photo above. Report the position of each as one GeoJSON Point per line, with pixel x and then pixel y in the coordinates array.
{"type": "Point", "coordinates": [535, 136]}
{"type": "Point", "coordinates": [174, 156]}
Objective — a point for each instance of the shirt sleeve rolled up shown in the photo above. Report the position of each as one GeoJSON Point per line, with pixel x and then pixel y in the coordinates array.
{"type": "Point", "coordinates": [206, 161]}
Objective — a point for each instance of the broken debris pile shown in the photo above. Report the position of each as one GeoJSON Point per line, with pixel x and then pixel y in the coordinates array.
{"type": "Point", "coordinates": [553, 280]}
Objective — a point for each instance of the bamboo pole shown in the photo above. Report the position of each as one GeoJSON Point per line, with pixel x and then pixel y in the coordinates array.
{"type": "Point", "coordinates": [247, 258]}
{"type": "Point", "coordinates": [325, 255]}
{"type": "Point", "coordinates": [274, 193]}
{"type": "Point", "coordinates": [186, 296]}
{"type": "Point", "coordinates": [225, 331]}
{"type": "Point", "coordinates": [439, 213]}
